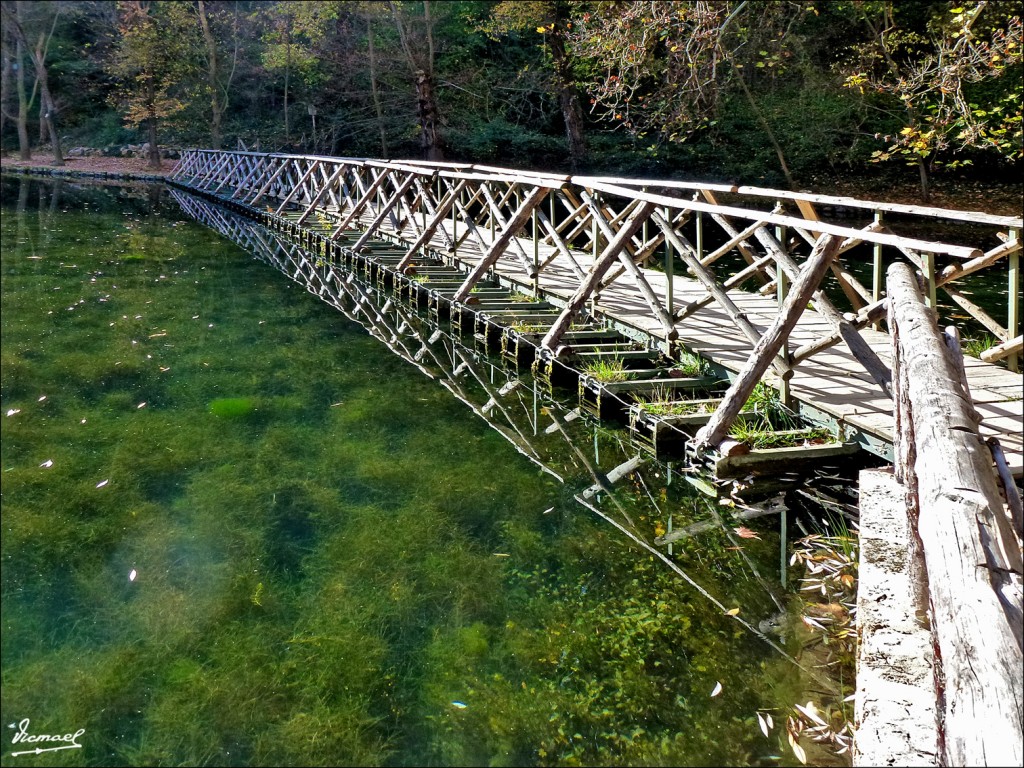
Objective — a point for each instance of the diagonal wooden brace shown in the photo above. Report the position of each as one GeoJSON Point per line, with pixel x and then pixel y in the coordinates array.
{"type": "Point", "coordinates": [516, 223]}
{"type": "Point", "coordinates": [768, 346]}
{"type": "Point", "coordinates": [597, 270]}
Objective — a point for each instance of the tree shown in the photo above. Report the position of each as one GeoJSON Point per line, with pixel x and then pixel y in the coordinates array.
{"type": "Point", "coordinates": [416, 34]}
{"type": "Point", "coordinates": [46, 16]}
{"type": "Point", "coordinates": [550, 18]}
{"type": "Point", "coordinates": [152, 55]}
{"type": "Point", "coordinates": [295, 27]}
{"type": "Point", "coordinates": [14, 65]}
{"type": "Point", "coordinates": [931, 73]}
{"type": "Point", "coordinates": [662, 68]}
{"type": "Point", "coordinates": [218, 76]}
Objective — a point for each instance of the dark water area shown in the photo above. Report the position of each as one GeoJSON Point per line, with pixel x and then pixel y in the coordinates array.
{"type": "Point", "coordinates": [237, 530]}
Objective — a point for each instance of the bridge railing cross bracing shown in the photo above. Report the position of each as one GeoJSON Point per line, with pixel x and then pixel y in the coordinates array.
{"type": "Point", "coordinates": [705, 266]}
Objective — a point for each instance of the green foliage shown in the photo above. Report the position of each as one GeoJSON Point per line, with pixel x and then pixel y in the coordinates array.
{"type": "Point", "coordinates": [606, 370]}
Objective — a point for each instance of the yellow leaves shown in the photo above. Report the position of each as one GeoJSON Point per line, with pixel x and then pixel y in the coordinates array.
{"type": "Point", "coordinates": [733, 612]}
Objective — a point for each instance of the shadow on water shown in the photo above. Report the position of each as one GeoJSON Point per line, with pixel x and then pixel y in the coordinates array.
{"type": "Point", "coordinates": [239, 529]}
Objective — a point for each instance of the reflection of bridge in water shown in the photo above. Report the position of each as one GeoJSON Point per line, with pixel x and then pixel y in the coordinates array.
{"type": "Point", "coordinates": [556, 277]}
{"type": "Point", "coordinates": [590, 459]}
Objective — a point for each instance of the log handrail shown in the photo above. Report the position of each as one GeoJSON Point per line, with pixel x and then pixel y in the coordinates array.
{"type": "Point", "coordinates": [969, 550]}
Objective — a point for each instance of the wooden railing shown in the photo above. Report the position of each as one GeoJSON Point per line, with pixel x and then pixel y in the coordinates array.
{"type": "Point", "coordinates": [601, 229]}
{"type": "Point", "coordinates": [968, 536]}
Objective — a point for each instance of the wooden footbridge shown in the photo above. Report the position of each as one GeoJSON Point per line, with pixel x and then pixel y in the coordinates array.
{"type": "Point", "coordinates": [668, 302]}
{"type": "Point", "coordinates": [675, 267]}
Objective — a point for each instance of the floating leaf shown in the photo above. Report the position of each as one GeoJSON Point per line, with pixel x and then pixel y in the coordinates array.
{"type": "Point", "coordinates": [132, 575]}
{"type": "Point", "coordinates": [764, 725]}
{"type": "Point", "coordinates": [797, 750]}
{"type": "Point", "coordinates": [48, 463]}
{"type": "Point", "coordinates": [718, 690]}
{"type": "Point", "coordinates": [732, 612]}
{"type": "Point", "coordinates": [810, 711]}
{"type": "Point", "coordinates": [101, 483]}
{"type": "Point", "coordinates": [13, 411]}
{"type": "Point", "coordinates": [745, 533]}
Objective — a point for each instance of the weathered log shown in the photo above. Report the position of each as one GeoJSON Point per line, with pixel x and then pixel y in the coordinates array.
{"type": "Point", "coordinates": [769, 344]}
{"type": "Point", "coordinates": [1007, 348]}
{"type": "Point", "coordinates": [974, 567]}
{"type": "Point", "coordinates": [1013, 500]}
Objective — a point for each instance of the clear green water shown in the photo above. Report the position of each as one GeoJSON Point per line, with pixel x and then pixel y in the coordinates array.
{"type": "Point", "coordinates": [238, 531]}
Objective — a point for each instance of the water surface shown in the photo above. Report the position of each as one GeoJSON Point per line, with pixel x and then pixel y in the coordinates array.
{"type": "Point", "coordinates": [237, 530]}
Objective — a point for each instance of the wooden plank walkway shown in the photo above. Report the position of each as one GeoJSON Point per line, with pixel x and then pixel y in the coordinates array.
{"type": "Point", "coordinates": [832, 381]}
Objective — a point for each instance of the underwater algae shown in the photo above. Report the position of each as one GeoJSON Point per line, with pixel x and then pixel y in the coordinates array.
{"type": "Point", "coordinates": [238, 531]}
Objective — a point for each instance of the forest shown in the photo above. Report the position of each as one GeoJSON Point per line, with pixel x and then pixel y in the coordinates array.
{"type": "Point", "coordinates": [768, 93]}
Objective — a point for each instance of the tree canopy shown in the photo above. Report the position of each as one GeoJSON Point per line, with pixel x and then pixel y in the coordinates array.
{"type": "Point", "coordinates": [768, 93]}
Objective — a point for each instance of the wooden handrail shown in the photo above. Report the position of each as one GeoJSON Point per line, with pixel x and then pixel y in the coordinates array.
{"type": "Point", "coordinates": [971, 555]}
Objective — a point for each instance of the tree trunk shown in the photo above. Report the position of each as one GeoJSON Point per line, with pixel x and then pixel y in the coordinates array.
{"type": "Point", "coordinates": [154, 148]}
{"type": "Point", "coordinates": [287, 78]}
{"type": "Point", "coordinates": [213, 79]}
{"type": "Point", "coordinates": [48, 108]}
{"type": "Point", "coordinates": [568, 95]}
{"type": "Point", "coordinates": [430, 136]}
{"type": "Point", "coordinates": [24, 148]}
{"type": "Point", "coordinates": [5, 82]}
{"type": "Point", "coordinates": [423, 73]}
{"type": "Point", "coordinates": [922, 168]}
{"type": "Point", "coordinates": [374, 91]}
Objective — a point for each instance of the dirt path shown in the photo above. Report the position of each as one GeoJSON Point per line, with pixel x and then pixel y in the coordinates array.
{"type": "Point", "coordinates": [117, 165]}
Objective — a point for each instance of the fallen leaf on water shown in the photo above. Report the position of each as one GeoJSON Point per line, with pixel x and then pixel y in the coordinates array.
{"type": "Point", "coordinates": [732, 612]}
{"type": "Point", "coordinates": [764, 725]}
{"type": "Point", "coordinates": [745, 533]}
{"type": "Point", "coordinates": [48, 463]}
{"type": "Point", "coordinates": [132, 575]}
{"type": "Point", "coordinates": [13, 411]}
{"type": "Point", "coordinates": [811, 711]}
{"type": "Point", "coordinates": [797, 750]}
{"type": "Point", "coordinates": [718, 690]}
{"type": "Point", "coordinates": [101, 483]}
